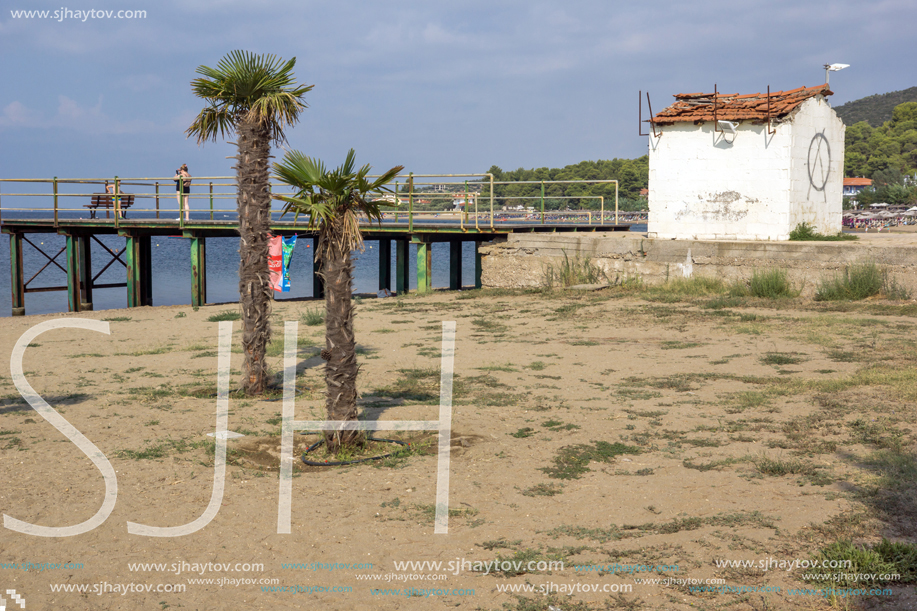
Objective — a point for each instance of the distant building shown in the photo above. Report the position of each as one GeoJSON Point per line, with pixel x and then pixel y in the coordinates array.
{"type": "Point", "coordinates": [852, 186]}
{"type": "Point", "coordinates": [746, 167]}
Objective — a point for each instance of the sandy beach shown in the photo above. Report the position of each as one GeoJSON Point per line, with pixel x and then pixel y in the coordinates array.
{"type": "Point", "coordinates": [626, 436]}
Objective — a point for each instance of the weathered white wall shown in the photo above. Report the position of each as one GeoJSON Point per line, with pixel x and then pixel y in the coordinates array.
{"type": "Point", "coordinates": [817, 171]}
{"type": "Point", "coordinates": [706, 185]}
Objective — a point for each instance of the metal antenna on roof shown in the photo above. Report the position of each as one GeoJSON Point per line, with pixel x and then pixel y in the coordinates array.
{"type": "Point", "coordinates": [640, 113]}
{"type": "Point", "coordinates": [715, 122]}
{"type": "Point", "coordinates": [769, 110]}
{"type": "Point", "coordinates": [833, 68]}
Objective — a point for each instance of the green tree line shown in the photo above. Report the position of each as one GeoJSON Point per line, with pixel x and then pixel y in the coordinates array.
{"type": "Point", "coordinates": [631, 174]}
{"type": "Point", "coordinates": [886, 154]}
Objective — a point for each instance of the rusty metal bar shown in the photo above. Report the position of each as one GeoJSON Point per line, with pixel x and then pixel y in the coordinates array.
{"type": "Point", "coordinates": [715, 93]}
{"type": "Point", "coordinates": [652, 122]}
{"type": "Point", "coordinates": [769, 112]}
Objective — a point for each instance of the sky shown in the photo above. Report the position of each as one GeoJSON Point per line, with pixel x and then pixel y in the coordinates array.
{"type": "Point", "coordinates": [439, 87]}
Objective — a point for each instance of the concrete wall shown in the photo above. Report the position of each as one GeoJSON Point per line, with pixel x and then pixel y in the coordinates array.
{"type": "Point", "coordinates": [709, 185]}
{"type": "Point", "coordinates": [817, 170]}
{"type": "Point", "coordinates": [519, 260]}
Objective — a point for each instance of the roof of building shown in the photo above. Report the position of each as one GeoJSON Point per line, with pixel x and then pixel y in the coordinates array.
{"type": "Point", "coordinates": [857, 182]}
{"type": "Point", "coordinates": [699, 107]}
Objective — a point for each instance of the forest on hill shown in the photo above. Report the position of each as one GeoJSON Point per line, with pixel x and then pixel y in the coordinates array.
{"type": "Point", "coordinates": [875, 109]}
{"type": "Point", "coordinates": [887, 154]}
{"type": "Point", "coordinates": [632, 176]}
{"type": "Point", "coordinates": [893, 145]}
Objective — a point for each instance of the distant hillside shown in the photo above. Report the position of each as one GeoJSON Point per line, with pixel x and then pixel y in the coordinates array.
{"type": "Point", "coordinates": [875, 109]}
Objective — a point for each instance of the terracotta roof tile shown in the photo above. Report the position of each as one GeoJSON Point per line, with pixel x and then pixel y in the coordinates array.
{"type": "Point", "coordinates": [699, 107]}
{"type": "Point", "coordinates": [857, 182]}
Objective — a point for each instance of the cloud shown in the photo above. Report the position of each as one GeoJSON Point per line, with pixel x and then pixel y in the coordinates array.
{"type": "Point", "coordinates": [73, 116]}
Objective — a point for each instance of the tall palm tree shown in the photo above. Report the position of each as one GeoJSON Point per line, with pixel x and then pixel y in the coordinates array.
{"type": "Point", "coordinates": [334, 200]}
{"type": "Point", "coordinates": [255, 96]}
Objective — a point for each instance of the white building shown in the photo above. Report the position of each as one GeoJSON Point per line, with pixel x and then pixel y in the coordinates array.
{"type": "Point", "coordinates": [746, 167]}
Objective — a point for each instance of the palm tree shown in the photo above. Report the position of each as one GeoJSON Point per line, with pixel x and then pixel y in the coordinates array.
{"type": "Point", "coordinates": [334, 200]}
{"type": "Point", "coordinates": [255, 96]}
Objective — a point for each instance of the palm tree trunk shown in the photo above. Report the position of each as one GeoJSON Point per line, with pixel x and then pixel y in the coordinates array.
{"type": "Point", "coordinates": [254, 224]}
{"type": "Point", "coordinates": [340, 344]}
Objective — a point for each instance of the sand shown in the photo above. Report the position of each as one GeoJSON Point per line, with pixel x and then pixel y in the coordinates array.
{"type": "Point", "coordinates": [534, 374]}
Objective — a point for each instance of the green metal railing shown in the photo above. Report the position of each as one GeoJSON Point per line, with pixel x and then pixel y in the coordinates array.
{"type": "Point", "coordinates": [62, 191]}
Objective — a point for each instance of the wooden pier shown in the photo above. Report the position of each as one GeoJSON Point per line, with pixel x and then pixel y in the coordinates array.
{"type": "Point", "coordinates": [79, 234]}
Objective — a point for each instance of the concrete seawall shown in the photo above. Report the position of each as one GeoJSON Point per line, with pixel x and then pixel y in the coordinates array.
{"type": "Point", "coordinates": [519, 260]}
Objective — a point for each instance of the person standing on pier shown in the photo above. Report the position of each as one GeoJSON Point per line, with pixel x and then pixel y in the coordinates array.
{"type": "Point", "coordinates": [183, 188]}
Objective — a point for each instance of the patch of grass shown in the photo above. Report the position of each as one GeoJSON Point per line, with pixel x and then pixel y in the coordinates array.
{"type": "Point", "coordinates": [536, 366]}
{"type": "Point", "coordinates": [524, 432]}
{"type": "Point", "coordinates": [722, 302]}
{"type": "Point", "coordinates": [781, 358]}
{"type": "Point", "coordinates": [573, 461]}
{"type": "Point", "coordinates": [224, 316]}
{"type": "Point", "coordinates": [780, 466]}
{"type": "Point", "coordinates": [805, 233]}
{"type": "Point", "coordinates": [500, 543]}
{"type": "Point", "coordinates": [859, 281]}
{"type": "Point", "coordinates": [749, 399]}
{"type": "Point", "coordinates": [570, 272]}
{"type": "Point", "coordinates": [879, 433]}
{"type": "Point", "coordinates": [164, 448]}
{"type": "Point", "coordinates": [489, 325]}
{"type": "Point", "coordinates": [275, 348]}
{"type": "Point", "coordinates": [710, 466]}
{"type": "Point", "coordinates": [646, 413]}
{"type": "Point", "coordinates": [427, 513]}
{"type": "Point", "coordinates": [313, 318]}
{"type": "Point", "coordinates": [507, 367]}
{"type": "Point", "coordinates": [637, 394]}
{"type": "Point", "coordinates": [543, 490]}
{"type": "Point", "coordinates": [180, 315]}
{"type": "Point", "coordinates": [677, 345]}
{"type": "Point", "coordinates": [557, 425]}
{"type": "Point", "coordinates": [614, 533]}
{"type": "Point", "coordinates": [11, 443]}
{"type": "Point", "coordinates": [880, 560]}
{"type": "Point", "coordinates": [770, 284]}
{"type": "Point", "coordinates": [844, 356]}
{"type": "Point", "coordinates": [418, 384]}
{"type": "Point", "coordinates": [118, 319]}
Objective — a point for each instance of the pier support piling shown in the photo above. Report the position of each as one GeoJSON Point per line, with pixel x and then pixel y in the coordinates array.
{"type": "Point", "coordinates": [424, 263]}
{"type": "Point", "coordinates": [84, 256]}
{"type": "Point", "coordinates": [477, 265]}
{"type": "Point", "coordinates": [17, 283]}
{"type": "Point", "coordinates": [455, 265]}
{"type": "Point", "coordinates": [402, 267]}
{"type": "Point", "coordinates": [73, 273]}
{"type": "Point", "coordinates": [385, 264]}
{"type": "Point", "coordinates": [139, 271]}
{"type": "Point", "coordinates": [318, 287]}
{"type": "Point", "coordinates": [198, 270]}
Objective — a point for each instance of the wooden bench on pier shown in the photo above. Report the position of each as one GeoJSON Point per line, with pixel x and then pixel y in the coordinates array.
{"type": "Point", "coordinates": [106, 201]}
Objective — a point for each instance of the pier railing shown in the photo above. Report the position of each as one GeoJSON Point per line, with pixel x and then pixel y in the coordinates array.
{"type": "Point", "coordinates": [473, 204]}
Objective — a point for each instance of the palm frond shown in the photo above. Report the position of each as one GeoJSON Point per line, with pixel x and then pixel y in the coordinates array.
{"type": "Point", "coordinates": [211, 121]}
{"type": "Point", "coordinates": [254, 87]}
{"type": "Point", "coordinates": [334, 197]}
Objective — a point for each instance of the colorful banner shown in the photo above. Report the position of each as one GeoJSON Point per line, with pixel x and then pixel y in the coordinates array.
{"type": "Point", "coordinates": [275, 262]}
{"type": "Point", "coordinates": [288, 245]}
{"type": "Point", "coordinates": [278, 262]}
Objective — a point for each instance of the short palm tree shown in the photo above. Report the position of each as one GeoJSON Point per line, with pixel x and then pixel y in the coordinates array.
{"type": "Point", "coordinates": [334, 200]}
{"type": "Point", "coordinates": [255, 96]}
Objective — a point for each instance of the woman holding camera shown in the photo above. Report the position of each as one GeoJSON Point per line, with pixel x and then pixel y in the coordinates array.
{"type": "Point", "coordinates": [183, 188]}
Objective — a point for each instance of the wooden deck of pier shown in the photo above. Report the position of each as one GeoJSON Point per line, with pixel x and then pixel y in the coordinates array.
{"type": "Point", "coordinates": [138, 261]}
